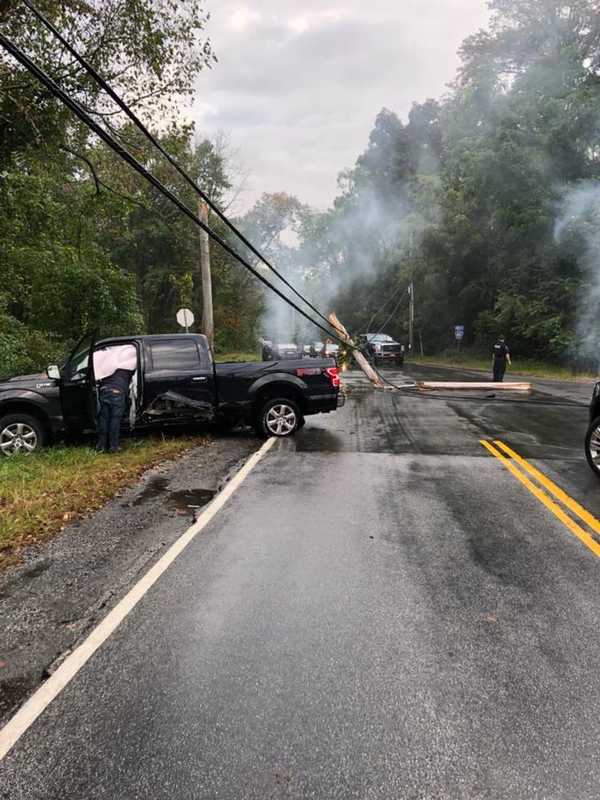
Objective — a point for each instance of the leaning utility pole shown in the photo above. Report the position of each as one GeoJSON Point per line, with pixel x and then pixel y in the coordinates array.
{"type": "Point", "coordinates": [207, 303]}
{"type": "Point", "coordinates": [411, 315]}
{"type": "Point", "coordinates": [360, 359]}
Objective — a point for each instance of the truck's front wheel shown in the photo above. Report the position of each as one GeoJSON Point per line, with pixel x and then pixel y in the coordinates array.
{"type": "Point", "coordinates": [20, 433]}
{"type": "Point", "coordinates": [278, 417]}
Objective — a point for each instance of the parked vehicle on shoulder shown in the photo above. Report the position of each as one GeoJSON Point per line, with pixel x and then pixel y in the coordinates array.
{"type": "Point", "coordinates": [176, 381]}
{"type": "Point", "coordinates": [382, 349]}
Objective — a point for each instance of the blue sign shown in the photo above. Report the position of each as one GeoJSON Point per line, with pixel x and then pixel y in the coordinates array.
{"type": "Point", "coordinates": [459, 332]}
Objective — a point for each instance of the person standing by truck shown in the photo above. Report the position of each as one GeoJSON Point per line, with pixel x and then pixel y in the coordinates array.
{"type": "Point", "coordinates": [114, 368]}
{"type": "Point", "coordinates": [500, 358]}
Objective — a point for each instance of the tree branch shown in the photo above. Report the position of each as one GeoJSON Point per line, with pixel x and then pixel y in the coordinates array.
{"type": "Point", "coordinates": [98, 181]}
{"type": "Point", "coordinates": [89, 164]}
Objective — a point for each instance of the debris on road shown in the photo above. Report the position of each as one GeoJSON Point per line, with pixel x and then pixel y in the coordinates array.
{"type": "Point", "coordinates": [424, 386]}
{"type": "Point", "coordinates": [474, 385]}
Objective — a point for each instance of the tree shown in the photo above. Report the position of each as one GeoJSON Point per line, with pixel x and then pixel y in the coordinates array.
{"type": "Point", "coordinates": [465, 197]}
{"type": "Point", "coordinates": [149, 50]}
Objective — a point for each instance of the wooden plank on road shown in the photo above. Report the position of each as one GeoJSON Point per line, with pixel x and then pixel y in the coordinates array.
{"type": "Point", "coordinates": [474, 385]}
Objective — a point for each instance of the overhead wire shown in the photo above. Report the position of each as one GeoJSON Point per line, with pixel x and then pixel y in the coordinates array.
{"type": "Point", "coordinates": [380, 309]}
{"type": "Point", "coordinates": [103, 83]}
{"type": "Point", "coordinates": [123, 153]}
{"type": "Point", "coordinates": [394, 311]}
{"type": "Point", "coordinates": [112, 142]}
{"type": "Point", "coordinates": [85, 117]}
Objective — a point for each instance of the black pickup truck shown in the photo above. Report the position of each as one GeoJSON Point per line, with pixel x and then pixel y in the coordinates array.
{"type": "Point", "coordinates": [176, 382]}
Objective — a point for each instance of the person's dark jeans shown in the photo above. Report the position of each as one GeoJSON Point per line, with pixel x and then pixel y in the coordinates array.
{"type": "Point", "coordinates": [499, 370]}
{"type": "Point", "coordinates": [112, 408]}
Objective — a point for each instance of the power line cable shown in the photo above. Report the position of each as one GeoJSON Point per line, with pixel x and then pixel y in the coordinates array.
{"type": "Point", "coordinates": [182, 172]}
{"type": "Point", "coordinates": [394, 311]}
{"type": "Point", "coordinates": [76, 108]}
{"type": "Point", "coordinates": [85, 117]}
{"type": "Point", "coordinates": [390, 299]}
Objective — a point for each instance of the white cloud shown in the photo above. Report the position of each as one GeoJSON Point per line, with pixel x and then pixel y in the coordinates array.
{"type": "Point", "coordinates": [242, 17]}
{"type": "Point", "coordinates": [309, 21]}
{"type": "Point", "coordinates": [298, 24]}
{"type": "Point", "coordinates": [298, 86]}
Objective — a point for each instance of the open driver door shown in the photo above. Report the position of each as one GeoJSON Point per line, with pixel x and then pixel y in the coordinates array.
{"type": "Point", "coordinates": [77, 387]}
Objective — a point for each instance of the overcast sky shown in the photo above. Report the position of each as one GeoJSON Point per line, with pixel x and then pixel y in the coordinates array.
{"type": "Point", "coordinates": [298, 84]}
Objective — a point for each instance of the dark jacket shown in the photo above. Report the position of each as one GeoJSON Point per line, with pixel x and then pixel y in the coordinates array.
{"type": "Point", "coordinates": [118, 380]}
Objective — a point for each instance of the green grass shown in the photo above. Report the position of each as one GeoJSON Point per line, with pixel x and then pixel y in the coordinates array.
{"type": "Point", "coordinates": [41, 493]}
{"type": "Point", "coordinates": [221, 358]}
{"type": "Point", "coordinates": [536, 369]}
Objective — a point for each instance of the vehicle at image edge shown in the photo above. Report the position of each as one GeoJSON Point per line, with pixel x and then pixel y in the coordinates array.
{"type": "Point", "coordinates": [592, 438]}
{"type": "Point", "coordinates": [176, 382]}
{"type": "Point", "coordinates": [382, 348]}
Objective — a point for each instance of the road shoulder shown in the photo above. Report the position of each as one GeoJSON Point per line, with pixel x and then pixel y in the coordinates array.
{"type": "Point", "coordinates": [50, 601]}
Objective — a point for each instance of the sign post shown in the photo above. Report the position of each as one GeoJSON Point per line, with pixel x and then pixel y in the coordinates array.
{"type": "Point", "coordinates": [185, 318]}
{"type": "Point", "coordinates": [459, 335]}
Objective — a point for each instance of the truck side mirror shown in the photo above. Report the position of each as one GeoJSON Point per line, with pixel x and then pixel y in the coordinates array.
{"type": "Point", "coordinates": [53, 372]}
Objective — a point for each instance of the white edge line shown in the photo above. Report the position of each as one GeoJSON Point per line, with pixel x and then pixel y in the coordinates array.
{"type": "Point", "coordinates": [53, 686]}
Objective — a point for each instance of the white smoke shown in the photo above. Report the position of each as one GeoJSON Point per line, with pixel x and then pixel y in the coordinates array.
{"type": "Point", "coordinates": [358, 242]}
{"type": "Point", "coordinates": [578, 230]}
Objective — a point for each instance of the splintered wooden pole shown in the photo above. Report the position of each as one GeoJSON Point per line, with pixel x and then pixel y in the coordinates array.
{"type": "Point", "coordinates": [358, 356]}
{"type": "Point", "coordinates": [461, 386]}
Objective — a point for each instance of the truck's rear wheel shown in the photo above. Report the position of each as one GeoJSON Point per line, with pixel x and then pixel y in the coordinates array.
{"type": "Point", "coordinates": [20, 433]}
{"type": "Point", "coordinates": [278, 417]}
{"type": "Point", "coordinates": [592, 446]}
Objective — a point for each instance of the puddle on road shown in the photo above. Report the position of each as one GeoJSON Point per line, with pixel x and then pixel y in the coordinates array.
{"type": "Point", "coordinates": [183, 501]}
{"type": "Point", "coordinates": [189, 499]}
{"type": "Point", "coordinates": [156, 486]}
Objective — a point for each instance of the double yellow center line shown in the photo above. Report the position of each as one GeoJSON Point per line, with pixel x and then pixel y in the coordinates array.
{"type": "Point", "coordinates": [545, 490]}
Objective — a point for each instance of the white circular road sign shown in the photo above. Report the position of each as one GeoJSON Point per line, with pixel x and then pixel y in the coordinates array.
{"type": "Point", "coordinates": [185, 318]}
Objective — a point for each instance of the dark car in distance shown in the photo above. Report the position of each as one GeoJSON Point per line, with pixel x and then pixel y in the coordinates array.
{"type": "Point", "coordinates": [382, 349]}
{"type": "Point", "coordinates": [176, 382]}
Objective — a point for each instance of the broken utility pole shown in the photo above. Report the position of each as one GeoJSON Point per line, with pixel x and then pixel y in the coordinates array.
{"type": "Point", "coordinates": [357, 355]}
{"type": "Point", "coordinates": [207, 303]}
{"type": "Point", "coordinates": [422, 386]}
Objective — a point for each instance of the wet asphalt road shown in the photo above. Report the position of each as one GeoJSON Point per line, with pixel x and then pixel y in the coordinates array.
{"type": "Point", "coordinates": [380, 611]}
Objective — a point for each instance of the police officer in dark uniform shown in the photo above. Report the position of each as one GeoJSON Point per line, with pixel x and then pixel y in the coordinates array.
{"type": "Point", "coordinates": [267, 350]}
{"type": "Point", "coordinates": [112, 396]}
{"type": "Point", "coordinates": [500, 358]}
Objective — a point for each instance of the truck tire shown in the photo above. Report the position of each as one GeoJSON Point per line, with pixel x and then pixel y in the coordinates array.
{"type": "Point", "coordinates": [278, 417]}
{"type": "Point", "coordinates": [21, 433]}
{"type": "Point", "coordinates": [592, 446]}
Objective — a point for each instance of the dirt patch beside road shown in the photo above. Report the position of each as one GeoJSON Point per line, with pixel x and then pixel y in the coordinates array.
{"type": "Point", "coordinates": [62, 588]}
